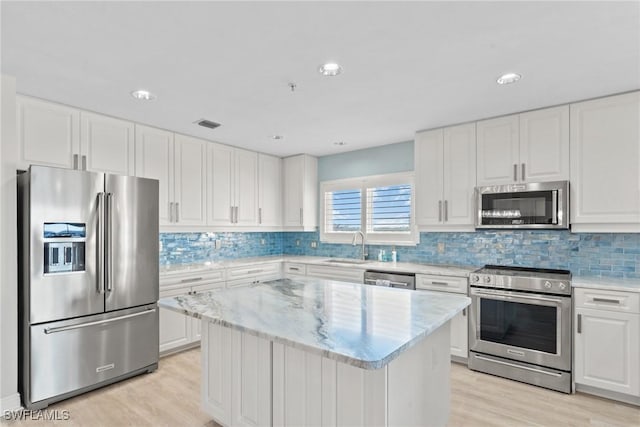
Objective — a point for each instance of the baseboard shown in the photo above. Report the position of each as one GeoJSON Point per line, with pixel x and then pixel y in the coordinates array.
{"type": "Point", "coordinates": [10, 403]}
{"type": "Point", "coordinates": [620, 397]}
{"type": "Point", "coordinates": [179, 349]}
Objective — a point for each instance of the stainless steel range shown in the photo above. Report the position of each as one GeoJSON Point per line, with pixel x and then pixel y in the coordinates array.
{"type": "Point", "coordinates": [520, 325]}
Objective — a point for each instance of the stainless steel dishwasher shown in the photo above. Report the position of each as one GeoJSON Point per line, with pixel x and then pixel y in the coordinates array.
{"type": "Point", "coordinates": [393, 280]}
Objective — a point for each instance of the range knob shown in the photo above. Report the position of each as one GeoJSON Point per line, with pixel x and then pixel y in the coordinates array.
{"type": "Point", "coordinates": [562, 286]}
{"type": "Point", "coordinates": [487, 279]}
{"type": "Point", "coordinates": [475, 278]}
{"type": "Point", "coordinates": [547, 284]}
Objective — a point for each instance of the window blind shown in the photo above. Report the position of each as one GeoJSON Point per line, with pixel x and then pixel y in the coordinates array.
{"type": "Point", "coordinates": [343, 211]}
{"type": "Point", "coordinates": [389, 209]}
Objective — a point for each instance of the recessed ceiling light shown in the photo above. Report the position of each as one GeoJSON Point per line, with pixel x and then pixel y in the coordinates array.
{"type": "Point", "coordinates": [330, 69]}
{"type": "Point", "coordinates": [505, 79]}
{"type": "Point", "coordinates": [340, 143]}
{"type": "Point", "coordinates": [144, 95]}
{"type": "Point", "coordinates": [277, 137]}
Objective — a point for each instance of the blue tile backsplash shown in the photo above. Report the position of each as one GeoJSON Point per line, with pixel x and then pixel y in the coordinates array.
{"type": "Point", "coordinates": [585, 254]}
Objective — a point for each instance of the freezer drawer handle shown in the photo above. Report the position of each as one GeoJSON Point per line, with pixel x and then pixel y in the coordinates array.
{"type": "Point", "coordinates": [97, 322]}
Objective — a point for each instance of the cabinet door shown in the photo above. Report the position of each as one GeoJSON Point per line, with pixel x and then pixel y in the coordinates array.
{"type": "Point", "coordinates": [429, 176]}
{"type": "Point", "coordinates": [48, 133]}
{"type": "Point", "coordinates": [459, 174]}
{"type": "Point", "coordinates": [175, 328]}
{"type": "Point", "coordinates": [607, 350]}
{"type": "Point", "coordinates": [460, 335]}
{"type": "Point", "coordinates": [605, 162]}
{"type": "Point", "coordinates": [154, 159]}
{"type": "Point", "coordinates": [269, 190]}
{"type": "Point", "coordinates": [498, 151]}
{"type": "Point", "coordinates": [107, 144]}
{"type": "Point", "coordinates": [246, 187]}
{"type": "Point", "coordinates": [219, 184]}
{"type": "Point", "coordinates": [544, 145]}
{"type": "Point", "coordinates": [190, 157]}
{"type": "Point", "coordinates": [292, 194]}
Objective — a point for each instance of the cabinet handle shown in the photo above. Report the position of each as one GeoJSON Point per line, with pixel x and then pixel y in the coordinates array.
{"type": "Point", "coordinates": [294, 269]}
{"type": "Point", "coordinates": [177, 212]}
{"type": "Point", "coordinates": [231, 214]}
{"type": "Point", "coordinates": [440, 283]}
{"type": "Point", "coordinates": [301, 217]}
{"type": "Point", "coordinates": [193, 279]}
{"type": "Point", "coordinates": [446, 210]}
{"type": "Point", "coordinates": [439, 210]}
{"type": "Point", "coordinates": [170, 211]}
{"type": "Point", "coordinates": [579, 323]}
{"type": "Point", "coordinates": [607, 300]}
{"type": "Point", "coordinates": [515, 172]}
{"type": "Point", "coordinates": [254, 271]}
{"type": "Point", "coordinates": [236, 216]}
{"type": "Point", "coordinates": [75, 161]}
{"type": "Point", "coordinates": [84, 163]}
{"type": "Point", "coordinates": [259, 215]}
{"type": "Point", "coordinates": [522, 171]}
{"type": "Point", "coordinates": [464, 312]}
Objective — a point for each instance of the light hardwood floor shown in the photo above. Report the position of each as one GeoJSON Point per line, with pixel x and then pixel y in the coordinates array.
{"type": "Point", "coordinates": [171, 397]}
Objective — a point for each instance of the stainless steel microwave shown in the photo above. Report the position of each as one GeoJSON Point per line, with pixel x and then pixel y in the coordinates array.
{"type": "Point", "coordinates": [541, 205]}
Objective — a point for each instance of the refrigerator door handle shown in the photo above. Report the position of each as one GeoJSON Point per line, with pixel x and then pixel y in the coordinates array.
{"type": "Point", "coordinates": [97, 322]}
{"type": "Point", "coordinates": [101, 243]}
{"type": "Point", "coordinates": [109, 245]}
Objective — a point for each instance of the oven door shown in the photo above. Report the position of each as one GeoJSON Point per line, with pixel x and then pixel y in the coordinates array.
{"type": "Point", "coordinates": [530, 328]}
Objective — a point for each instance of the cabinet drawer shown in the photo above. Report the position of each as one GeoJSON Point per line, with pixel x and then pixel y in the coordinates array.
{"type": "Point", "coordinates": [174, 281]}
{"type": "Point", "coordinates": [625, 302]}
{"type": "Point", "coordinates": [336, 273]}
{"type": "Point", "coordinates": [245, 272]}
{"type": "Point", "coordinates": [295, 269]}
{"type": "Point", "coordinates": [442, 283]}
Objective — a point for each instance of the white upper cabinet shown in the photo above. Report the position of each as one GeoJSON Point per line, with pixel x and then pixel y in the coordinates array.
{"type": "Point", "coordinates": [300, 193]}
{"type": "Point", "coordinates": [232, 186]}
{"type": "Point", "coordinates": [498, 152]}
{"type": "Point", "coordinates": [190, 157]}
{"type": "Point", "coordinates": [48, 133]}
{"type": "Point", "coordinates": [269, 191]}
{"type": "Point", "coordinates": [527, 147]}
{"type": "Point", "coordinates": [178, 162]}
{"type": "Point", "coordinates": [605, 164]}
{"type": "Point", "coordinates": [154, 159]}
{"type": "Point", "coordinates": [107, 144]}
{"type": "Point", "coordinates": [445, 165]}
{"type": "Point", "coordinates": [544, 145]}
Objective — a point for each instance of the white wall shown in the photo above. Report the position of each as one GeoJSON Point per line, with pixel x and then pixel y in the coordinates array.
{"type": "Point", "coordinates": [9, 398]}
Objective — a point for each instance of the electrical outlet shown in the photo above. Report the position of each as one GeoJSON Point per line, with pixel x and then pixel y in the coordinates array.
{"type": "Point", "coordinates": [440, 247]}
{"type": "Point", "coordinates": [160, 245]}
{"type": "Point", "coordinates": [218, 243]}
{"type": "Point", "coordinates": [297, 242]}
{"type": "Point", "coordinates": [314, 244]}
{"type": "Point", "coordinates": [263, 242]}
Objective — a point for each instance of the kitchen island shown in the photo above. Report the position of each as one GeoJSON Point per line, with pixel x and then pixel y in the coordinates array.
{"type": "Point", "coordinates": [320, 352]}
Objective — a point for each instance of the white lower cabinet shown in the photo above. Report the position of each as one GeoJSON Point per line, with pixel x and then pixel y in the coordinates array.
{"type": "Point", "coordinates": [248, 275]}
{"type": "Point", "coordinates": [460, 323]}
{"type": "Point", "coordinates": [607, 341]}
{"type": "Point", "coordinates": [175, 328]}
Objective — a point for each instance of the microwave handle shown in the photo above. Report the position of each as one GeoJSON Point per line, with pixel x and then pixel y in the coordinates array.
{"type": "Point", "coordinates": [554, 207]}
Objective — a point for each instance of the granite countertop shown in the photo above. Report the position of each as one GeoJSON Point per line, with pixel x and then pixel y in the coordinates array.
{"type": "Point", "coordinates": [400, 267]}
{"type": "Point", "coordinates": [364, 326]}
{"type": "Point", "coordinates": [607, 283]}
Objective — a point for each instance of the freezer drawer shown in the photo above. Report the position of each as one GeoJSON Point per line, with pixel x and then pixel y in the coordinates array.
{"type": "Point", "coordinates": [71, 355]}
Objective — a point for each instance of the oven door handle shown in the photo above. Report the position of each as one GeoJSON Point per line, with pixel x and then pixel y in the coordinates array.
{"type": "Point", "coordinates": [509, 297]}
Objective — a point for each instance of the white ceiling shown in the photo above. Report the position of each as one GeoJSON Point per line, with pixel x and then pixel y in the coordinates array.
{"type": "Point", "coordinates": [407, 65]}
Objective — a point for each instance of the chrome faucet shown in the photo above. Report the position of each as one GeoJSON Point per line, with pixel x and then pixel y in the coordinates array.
{"type": "Point", "coordinates": [353, 242]}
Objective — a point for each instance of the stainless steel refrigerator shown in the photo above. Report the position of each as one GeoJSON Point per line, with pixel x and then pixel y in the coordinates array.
{"type": "Point", "coordinates": [88, 281]}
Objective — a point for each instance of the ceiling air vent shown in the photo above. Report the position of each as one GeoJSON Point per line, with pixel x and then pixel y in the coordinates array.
{"type": "Point", "coordinates": [207, 123]}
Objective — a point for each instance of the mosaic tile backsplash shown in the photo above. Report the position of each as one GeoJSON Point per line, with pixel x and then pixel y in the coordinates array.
{"type": "Point", "coordinates": [585, 254]}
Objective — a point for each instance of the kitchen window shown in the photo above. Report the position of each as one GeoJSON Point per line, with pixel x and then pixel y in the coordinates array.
{"type": "Point", "coordinates": [379, 206]}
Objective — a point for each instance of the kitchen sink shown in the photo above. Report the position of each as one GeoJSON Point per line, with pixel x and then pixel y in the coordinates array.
{"type": "Point", "coordinates": [345, 261]}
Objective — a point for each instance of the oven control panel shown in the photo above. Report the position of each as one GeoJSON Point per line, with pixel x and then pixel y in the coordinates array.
{"type": "Point", "coordinates": [534, 283]}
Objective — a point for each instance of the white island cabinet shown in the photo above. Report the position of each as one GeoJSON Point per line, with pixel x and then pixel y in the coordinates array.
{"type": "Point", "coordinates": [317, 352]}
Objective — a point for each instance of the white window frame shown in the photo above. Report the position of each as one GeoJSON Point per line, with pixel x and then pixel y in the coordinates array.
{"type": "Point", "coordinates": [399, 239]}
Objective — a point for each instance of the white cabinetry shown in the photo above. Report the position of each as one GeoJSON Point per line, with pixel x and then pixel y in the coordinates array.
{"type": "Point", "coordinates": [607, 341]}
{"type": "Point", "coordinates": [460, 323]}
{"type": "Point", "coordinates": [300, 193]}
{"type": "Point", "coordinates": [269, 191]}
{"type": "Point", "coordinates": [527, 147]}
{"type": "Point", "coordinates": [445, 164]}
{"type": "Point", "coordinates": [605, 164]}
{"type": "Point", "coordinates": [55, 135]}
{"type": "Point", "coordinates": [344, 274]}
{"type": "Point", "coordinates": [178, 330]}
{"type": "Point", "coordinates": [251, 274]}
{"type": "Point", "coordinates": [178, 162]}
{"type": "Point", "coordinates": [233, 186]}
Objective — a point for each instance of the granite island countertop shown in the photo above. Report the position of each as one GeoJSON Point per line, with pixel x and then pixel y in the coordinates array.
{"type": "Point", "coordinates": [364, 326]}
